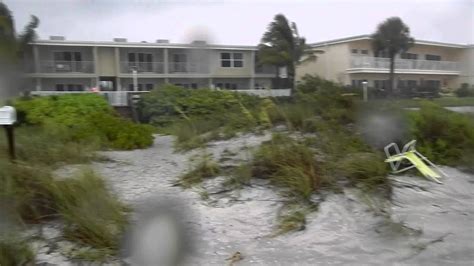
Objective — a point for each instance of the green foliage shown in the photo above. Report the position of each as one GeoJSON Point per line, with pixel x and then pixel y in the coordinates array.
{"type": "Point", "coordinates": [206, 167]}
{"type": "Point", "coordinates": [366, 169]}
{"type": "Point", "coordinates": [84, 118]}
{"type": "Point", "coordinates": [443, 136]}
{"type": "Point", "coordinates": [15, 251]}
{"type": "Point", "coordinates": [93, 216]}
{"type": "Point", "coordinates": [198, 116]}
{"type": "Point", "coordinates": [326, 99]}
{"type": "Point", "coordinates": [168, 103]}
{"type": "Point", "coordinates": [281, 45]}
{"type": "Point", "coordinates": [292, 221]}
{"type": "Point", "coordinates": [392, 37]}
{"type": "Point", "coordinates": [289, 165]}
{"type": "Point", "coordinates": [48, 145]}
{"type": "Point", "coordinates": [465, 91]}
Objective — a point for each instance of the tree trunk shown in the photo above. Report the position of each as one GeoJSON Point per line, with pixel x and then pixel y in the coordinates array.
{"type": "Point", "coordinates": [392, 76]}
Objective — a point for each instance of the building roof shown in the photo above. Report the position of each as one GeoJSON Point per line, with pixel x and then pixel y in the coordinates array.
{"type": "Point", "coordinates": [141, 44]}
{"type": "Point", "coordinates": [367, 37]}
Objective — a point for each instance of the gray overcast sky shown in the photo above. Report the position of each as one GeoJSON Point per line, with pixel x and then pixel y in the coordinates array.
{"type": "Point", "coordinates": [241, 21]}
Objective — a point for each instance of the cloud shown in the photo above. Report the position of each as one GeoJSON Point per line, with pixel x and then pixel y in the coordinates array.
{"type": "Point", "coordinates": [240, 21]}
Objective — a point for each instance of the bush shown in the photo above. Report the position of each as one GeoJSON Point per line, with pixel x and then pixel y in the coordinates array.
{"type": "Point", "coordinates": [168, 103]}
{"type": "Point", "coordinates": [443, 136]}
{"type": "Point", "coordinates": [288, 165]}
{"type": "Point", "coordinates": [93, 216]}
{"type": "Point", "coordinates": [84, 118]}
{"type": "Point", "coordinates": [366, 169]}
{"type": "Point", "coordinates": [465, 91]}
{"type": "Point", "coordinates": [198, 116]}
{"type": "Point", "coordinates": [205, 168]}
{"type": "Point", "coordinates": [14, 251]}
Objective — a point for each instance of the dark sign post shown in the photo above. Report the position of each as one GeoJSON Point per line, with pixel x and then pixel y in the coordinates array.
{"type": "Point", "coordinates": [7, 119]}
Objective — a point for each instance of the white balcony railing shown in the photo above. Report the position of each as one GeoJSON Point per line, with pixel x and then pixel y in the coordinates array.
{"type": "Point", "coordinates": [405, 64]}
{"type": "Point", "coordinates": [66, 67]}
{"type": "Point", "coordinates": [141, 67]}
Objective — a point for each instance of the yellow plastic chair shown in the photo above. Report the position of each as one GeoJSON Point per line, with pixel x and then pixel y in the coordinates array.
{"type": "Point", "coordinates": [416, 159]}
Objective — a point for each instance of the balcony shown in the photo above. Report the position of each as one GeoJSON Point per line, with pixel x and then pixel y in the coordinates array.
{"type": "Point", "coordinates": [265, 69]}
{"type": "Point", "coordinates": [188, 67]}
{"type": "Point", "coordinates": [66, 67]}
{"type": "Point", "coordinates": [360, 64]}
{"type": "Point", "coordinates": [152, 67]}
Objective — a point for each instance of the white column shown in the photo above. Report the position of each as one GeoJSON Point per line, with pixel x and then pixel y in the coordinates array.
{"type": "Point", "coordinates": [95, 58]}
{"type": "Point", "coordinates": [38, 84]}
{"type": "Point", "coordinates": [117, 61]}
{"type": "Point", "coordinates": [252, 74]}
{"type": "Point", "coordinates": [210, 83]}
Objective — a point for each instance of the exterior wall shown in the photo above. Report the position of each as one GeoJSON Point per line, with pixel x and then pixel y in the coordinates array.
{"type": "Point", "coordinates": [49, 84]}
{"type": "Point", "coordinates": [331, 65]}
{"type": "Point", "coordinates": [218, 71]}
{"type": "Point", "coordinates": [106, 64]}
{"type": "Point", "coordinates": [467, 67]}
{"type": "Point", "coordinates": [446, 53]}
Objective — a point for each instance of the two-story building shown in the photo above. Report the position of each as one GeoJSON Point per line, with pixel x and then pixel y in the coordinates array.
{"type": "Point", "coordinates": [59, 65]}
{"type": "Point", "coordinates": [349, 61]}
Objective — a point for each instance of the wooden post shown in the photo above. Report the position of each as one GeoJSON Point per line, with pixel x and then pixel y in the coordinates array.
{"type": "Point", "coordinates": [11, 141]}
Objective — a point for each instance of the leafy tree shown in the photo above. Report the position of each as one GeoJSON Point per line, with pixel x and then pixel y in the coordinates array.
{"type": "Point", "coordinates": [391, 38]}
{"type": "Point", "coordinates": [282, 46]}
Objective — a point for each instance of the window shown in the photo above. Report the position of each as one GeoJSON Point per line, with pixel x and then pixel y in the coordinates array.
{"type": "Point", "coordinates": [406, 84]}
{"type": "Point", "coordinates": [67, 56]}
{"type": "Point", "coordinates": [354, 51]}
{"type": "Point", "coordinates": [433, 57]}
{"type": "Point", "coordinates": [366, 52]}
{"type": "Point", "coordinates": [141, 87]}
{"type": "Point", "coordinates": [409, 56]}
{"type": "Point", "coordinates": [227, 85]}
{"type": "Point", "coordinates": [232, 60]}
{"type": "Point", "coordinates": [149, 87]}
{"type": "Point", "coordinates": [142, 61]}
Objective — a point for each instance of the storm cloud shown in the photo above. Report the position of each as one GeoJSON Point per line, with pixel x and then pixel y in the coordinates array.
{"type": "Point", "coordinates": [241, 21]}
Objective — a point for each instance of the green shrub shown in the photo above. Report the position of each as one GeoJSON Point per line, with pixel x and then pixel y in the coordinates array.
{"type": "Point", "coordinates": [48, 145]}
{"type": "Point", "coordinates": [465, 91]}
{"type": "Point", "coordinates": [171, 102]}
{"type": "Point", "coordinates": [15, 251]}
{"type": "Point", "coordinates": [92, 215]}
{"type": "Point", "coordinates": [198, 116]}
{"type": "Point", "coordinates": [85, 118]}
{"type": "Point", "coordinates": [204, 168]}
{"type": "Point", "coordinates": [366, 169]}
{"type": "Point", "coordinates": [288, 165]}
{"type": "Point", "coordinates": [443, 136]}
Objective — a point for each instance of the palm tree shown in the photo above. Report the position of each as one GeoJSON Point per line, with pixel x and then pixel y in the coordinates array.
{"type": "Point", "coordinates": [12, 50]}
{"type": "Point", "coordinates": [391, 38]}
{"type": "Point", "coordinates": [11, 44]}
{"type": "Point", "coordinates": [281, 46]}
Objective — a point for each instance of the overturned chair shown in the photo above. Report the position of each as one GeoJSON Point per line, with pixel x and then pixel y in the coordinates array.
{"type": "Point", "coordinates": [416, 159]}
